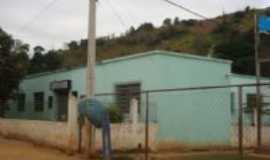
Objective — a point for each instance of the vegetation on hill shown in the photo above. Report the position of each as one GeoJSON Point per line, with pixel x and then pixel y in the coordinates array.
{"type": "Point", "coordinates": [228, 36]}
{"type": "Point", "coordinates": [13, 66]}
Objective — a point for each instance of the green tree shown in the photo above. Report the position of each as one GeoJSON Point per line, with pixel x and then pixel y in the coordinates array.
{"type": "Point", "coordinates": [240, 51]}
{"type": "Point", "coordinates": [10, 75]}
{"type": "Point", "coordinates": [176, 21]}
{"type": "Point", "coordinates": [53, 60]}
{"type": "Point", "coordinates": [167, 22]}
{"type": "Point", "coordinates": [38, 63]}
{"type": "Point", "coordinates": [21, 53]}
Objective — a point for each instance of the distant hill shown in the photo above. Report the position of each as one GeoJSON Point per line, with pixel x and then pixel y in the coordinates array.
{"type": "Point", "coordinates": [228, 36]}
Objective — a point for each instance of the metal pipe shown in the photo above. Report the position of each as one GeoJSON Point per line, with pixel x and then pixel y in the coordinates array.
{"type": "Point", "coordinates": [147, 127]}
{"type": "Point", "coordinates": [258, 75]}
{"type": "Point", "coordinates": [240, 121]}
{"type": "Point", "coordinates": [191, 88]}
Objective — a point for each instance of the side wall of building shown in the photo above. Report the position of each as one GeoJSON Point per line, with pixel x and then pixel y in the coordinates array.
{"type": "Point", "coordinates": [265, 91]}
{"type": "Point", "coordinates": [29, 86]}
{"type": "Point", "coordinates": [193, 117]}
{"type": "Point", "coordinates": [186, 118]}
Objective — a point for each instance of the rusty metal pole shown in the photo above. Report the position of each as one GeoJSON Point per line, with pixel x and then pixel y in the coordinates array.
{"type": "Point", "coordinates": [147, 127]}
{"type": "Point", "coordinates": [240, 121]}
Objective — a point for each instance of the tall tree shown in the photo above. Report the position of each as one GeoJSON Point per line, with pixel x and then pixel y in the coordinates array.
{"type": "Point", "coordinates": [10, 75]}
{"type": "Point", "coordinates": [53, 60]}
{"type": "Point", "coordinates": [21, 53]}
{"type": "Point", "coordinates": [37, 62]}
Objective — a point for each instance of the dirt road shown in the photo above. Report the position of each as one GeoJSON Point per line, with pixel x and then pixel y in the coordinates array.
{"type": "Point", "coordinates": [17, 150]}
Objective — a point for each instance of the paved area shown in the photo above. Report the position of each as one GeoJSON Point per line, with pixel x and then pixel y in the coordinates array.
{"type": "Point", "coordinates": [17, 150]}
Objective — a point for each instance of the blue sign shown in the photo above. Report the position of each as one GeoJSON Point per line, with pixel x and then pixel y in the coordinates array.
{"type": "Point", "coordinates": [264, 24]}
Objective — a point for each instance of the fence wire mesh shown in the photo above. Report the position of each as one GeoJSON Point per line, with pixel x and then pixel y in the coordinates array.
{"type": "Point", "coordinates": [199, 118]}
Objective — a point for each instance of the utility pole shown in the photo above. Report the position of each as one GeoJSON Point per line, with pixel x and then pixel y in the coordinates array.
{"type": "Point", "coordinates": [258, 76]}
{"type": "Point", "coordinates": [90, 70]}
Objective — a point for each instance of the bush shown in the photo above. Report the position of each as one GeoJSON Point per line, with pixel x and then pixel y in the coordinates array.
{"type": "Point", "coordinates": [115, 113]}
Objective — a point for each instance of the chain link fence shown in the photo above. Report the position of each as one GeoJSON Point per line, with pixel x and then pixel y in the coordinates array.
{"type": "Point", "coordinates": [210, 118]}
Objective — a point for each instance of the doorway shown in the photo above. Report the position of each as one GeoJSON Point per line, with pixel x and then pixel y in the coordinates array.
{"type": "Point", "coordinates": [62, 105]}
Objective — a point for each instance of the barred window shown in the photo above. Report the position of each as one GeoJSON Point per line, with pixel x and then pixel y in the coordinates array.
{"type": "Point", "coordinates": [39, 101]}
{"type": "Point", "coordinates": [50, 101]}
{"type": "Point", "coordinates": [251, 102]}
{"type": "Point", "coordinates": [125, 92]}
{"type": "Point", "coordinates": [21, 102]}
{"type": "Point", "coordinates": [232, 102]}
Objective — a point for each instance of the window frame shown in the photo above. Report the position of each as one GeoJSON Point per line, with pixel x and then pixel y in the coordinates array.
{"type": "Point", "coordinates": [251, 101]}
{"type": "Point", "coordinates": [21, 102]}
{"type": "Point", "coordinates": [50, 102]}
{"type": "Point", "coordinates": [39, 106]}
{"type": "Point", "coordinates": [125, 108]}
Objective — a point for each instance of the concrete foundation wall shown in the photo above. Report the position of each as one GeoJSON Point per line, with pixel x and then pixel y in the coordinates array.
{"type": "Point", "coordinates": [124, 137]}
{"type": "Point", "coordinates": [57, 134]}
{"type": "Point", "coordinates": [250, 136]}
{"type": "Point", "coordinates": [42, 132]}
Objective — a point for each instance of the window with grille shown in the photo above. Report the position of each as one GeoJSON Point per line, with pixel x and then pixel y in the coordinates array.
{"type": "Point", "coordinates": [21, 102]}
{"type": "Point", "coordinates": [232, 103]}
{"type": "Point", "coordinates": [252, 103]}
{"type": "Point", "coordinates": [39, 101]}
{"type": "Point", "coordinates": [50, 102]}
{"type": "Point", "coordinates": [124, 94]}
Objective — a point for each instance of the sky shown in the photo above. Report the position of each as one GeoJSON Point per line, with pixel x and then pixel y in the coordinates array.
{"type": "Point", "coordinates": [52, 23]}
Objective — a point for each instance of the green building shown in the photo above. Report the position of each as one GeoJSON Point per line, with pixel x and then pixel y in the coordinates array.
{"type": "Point", "coordinates": [200, 116]}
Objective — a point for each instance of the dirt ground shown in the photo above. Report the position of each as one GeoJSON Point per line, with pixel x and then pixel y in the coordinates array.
{"type": "Point", "coordinates": [17, 150]}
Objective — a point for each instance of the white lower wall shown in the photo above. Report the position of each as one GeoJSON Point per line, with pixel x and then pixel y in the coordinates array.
{"type": "Point", "coordinates": [126, 137]}
{"type": "Point", "coordinates": [42, 132]}
{"type": "Point", "coordinates": [57, 134]}
{"type": "Point", "coordinates": [250, 136]}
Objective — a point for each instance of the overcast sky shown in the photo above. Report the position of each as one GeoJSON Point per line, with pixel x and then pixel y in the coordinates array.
{"type": "Point", "coordinates": [36, 23]}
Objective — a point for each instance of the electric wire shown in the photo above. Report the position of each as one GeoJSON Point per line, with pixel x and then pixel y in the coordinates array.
{"type": "Point", "coordinates": [186, 9]}
{"type": "Point", "coordinates": [118, 16]}
{"type": "Point", "coordinates": [43, 10]}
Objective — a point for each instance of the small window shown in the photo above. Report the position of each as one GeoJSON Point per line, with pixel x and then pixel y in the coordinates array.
{"type": "Point", "coordinates": [39, 101]}
{"type": "Point", "coordinates": [251, 102]}
{"type": "Point", "coordinates": [232, 102]}
{"type": "Point", "coordinates": [21, 102]}
{"type": "Point", "coordinates": [125, 92]}
{"type": "Point", "coordinates": [50, 102]}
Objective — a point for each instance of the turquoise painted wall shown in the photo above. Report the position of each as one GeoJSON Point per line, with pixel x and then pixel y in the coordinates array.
{"type": "Point", "coordinates": [201, 117]}
{"type": "Point", "coordinates": [243, 79]}
{"type": "Point", "coordinates": [42, 84]}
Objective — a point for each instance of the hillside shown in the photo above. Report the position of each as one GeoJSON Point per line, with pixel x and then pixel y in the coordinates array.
{"type": "Point", "coordinates": [228, 36]}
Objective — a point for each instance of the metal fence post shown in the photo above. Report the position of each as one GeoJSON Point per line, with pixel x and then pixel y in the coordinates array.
{"type": "Point", "coordinates": [240, 121]}
{"type": "Point", "coordinates": [147, 127]}
{"type": "Point", "coordinates": [259, 118]}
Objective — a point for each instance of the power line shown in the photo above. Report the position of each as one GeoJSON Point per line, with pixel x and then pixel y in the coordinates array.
{"type": "Point", "coordinates": [121, 20]}
{"type": "Point", "coordinates": [50, 4]}
{"type": "Point", "coordinates": [186, 9]}
{"type": "Point", "coordinates": [129, 15]}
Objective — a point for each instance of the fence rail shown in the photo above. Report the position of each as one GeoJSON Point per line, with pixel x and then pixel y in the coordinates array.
{"type": "Point", "coordinates": [209, 102]}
